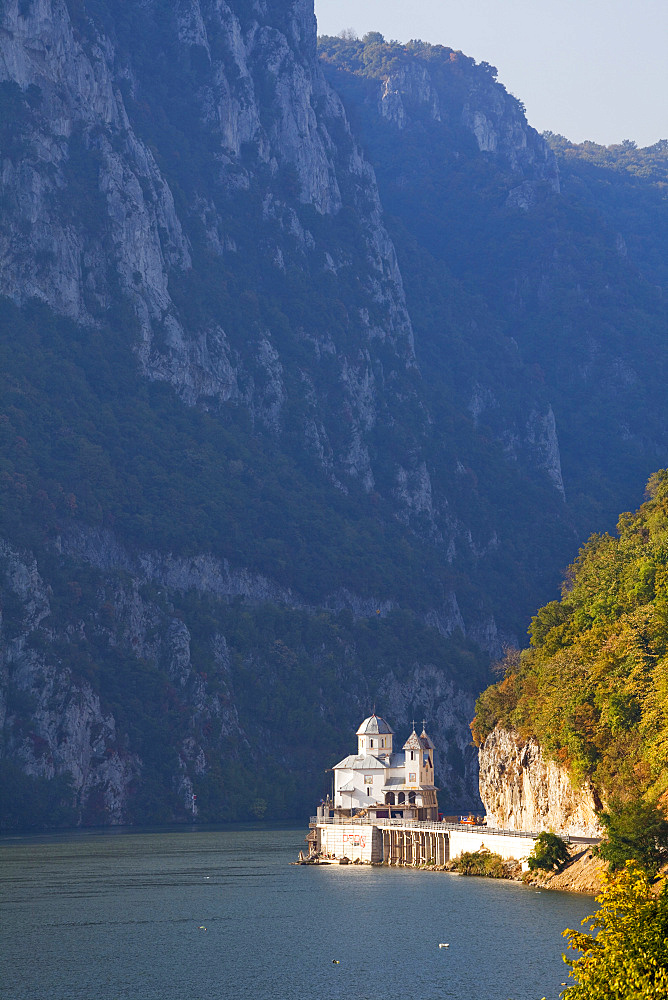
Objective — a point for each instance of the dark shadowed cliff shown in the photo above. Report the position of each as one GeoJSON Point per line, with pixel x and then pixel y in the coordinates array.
{"type": "Point", "coordinates": [314, 375]}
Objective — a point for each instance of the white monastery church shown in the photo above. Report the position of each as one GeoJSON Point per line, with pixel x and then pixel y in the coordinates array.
{"type": "Point", "coordinates": [384, 783]}
{"type": "Point", "coordinates": [385, 809]}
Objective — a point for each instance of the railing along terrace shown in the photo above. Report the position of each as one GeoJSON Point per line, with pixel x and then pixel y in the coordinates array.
{"type": "Point", "coordinates": [422, 824]}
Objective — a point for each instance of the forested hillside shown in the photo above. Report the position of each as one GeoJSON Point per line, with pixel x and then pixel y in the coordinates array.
{"type": "Point", "coordinates": [627, 185]}
{"type": "Point", "coordinates": [555, 265]}
{"type": "Point", "coordinates": [315, 373]}
{"type": "Point", "coordinates": [593, 686]}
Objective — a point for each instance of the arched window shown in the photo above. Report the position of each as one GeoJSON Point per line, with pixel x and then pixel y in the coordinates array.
{"type": "Point", "coordinates": [389, 799]}
{"type": "Point", "coordinates": [371, 744]}
{"type": "Point", "coordinates": [411, 797]}
{"type": "Point", "coordinates": [402, 798]}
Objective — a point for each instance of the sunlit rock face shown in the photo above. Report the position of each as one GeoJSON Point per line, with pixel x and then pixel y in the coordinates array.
{"type": "Point", "coordinates": [521, 790]}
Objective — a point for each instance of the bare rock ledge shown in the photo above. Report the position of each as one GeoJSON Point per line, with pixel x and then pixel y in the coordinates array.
{"type": "Point", "coordinates": [521, 790]}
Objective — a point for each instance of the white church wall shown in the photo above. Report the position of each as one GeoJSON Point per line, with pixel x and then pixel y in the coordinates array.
{"type": "Point", "coordinates": [412, 769]}
{"type": "Point", "coordinates": [358, 798]}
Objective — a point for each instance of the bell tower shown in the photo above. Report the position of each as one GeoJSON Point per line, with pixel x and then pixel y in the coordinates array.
{"type": "Point", "coordinates": [412, 761]}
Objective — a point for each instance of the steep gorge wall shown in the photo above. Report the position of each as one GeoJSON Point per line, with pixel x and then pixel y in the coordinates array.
{"type": "Point", "coordinates": [128, 170]}
{"type": "Point", "coordinates": [183, 177]}
{"type": "Point", "coordinates": [462, 119]}
{"type": "Point", "coordinates": [158, 689]}
{"type": "Point", "coordinates": [521, 790]}
{"type": "Point", "coordinates": [91, 220]}
{"type": "Point", "coordinates": [259, 179]}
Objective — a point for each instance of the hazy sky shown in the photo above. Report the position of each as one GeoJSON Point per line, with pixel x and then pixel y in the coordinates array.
{"type": "Point", "coordinates": [589, 69]}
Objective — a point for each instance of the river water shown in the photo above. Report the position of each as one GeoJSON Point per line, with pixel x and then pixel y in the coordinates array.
{"type": "Point", "coordinates": [216, 915]}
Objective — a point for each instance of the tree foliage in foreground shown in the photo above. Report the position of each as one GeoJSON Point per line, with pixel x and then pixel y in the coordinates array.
{"type": "Point", "coordinates": [635, 831]}
{"type": "Point", "coordinates": [628, 957]}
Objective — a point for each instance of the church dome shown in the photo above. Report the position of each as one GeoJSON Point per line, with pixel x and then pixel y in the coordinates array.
{"type": "Point", "coordinates": [374, 725]}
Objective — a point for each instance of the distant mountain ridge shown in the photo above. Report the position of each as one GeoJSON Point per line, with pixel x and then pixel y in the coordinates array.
{"type": "Point", "coordinates": [297, 354]}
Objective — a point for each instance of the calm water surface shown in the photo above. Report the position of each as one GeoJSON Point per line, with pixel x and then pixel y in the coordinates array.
{"type": "Point", "coordinates": [121, 917]}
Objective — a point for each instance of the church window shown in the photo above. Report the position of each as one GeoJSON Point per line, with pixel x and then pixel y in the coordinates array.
{"type": "Point", "coordinates": [371, 744]}
{"type": "Point", "coordinates": [382, 743]}
{"type": "Point", "coordinates": [412, 755]}
{"type": "Point", "coordinates": [368, 791]}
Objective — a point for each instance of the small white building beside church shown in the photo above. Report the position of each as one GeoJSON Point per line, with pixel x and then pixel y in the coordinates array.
{"type": "Point", "coordinates": [381, 782]}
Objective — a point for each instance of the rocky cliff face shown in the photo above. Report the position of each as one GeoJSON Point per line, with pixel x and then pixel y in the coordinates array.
{"type": "Point", "coordinates": [90, 216]}
{"type": "Point", "coordinates": [104, 216]}
{"type": "Point", "coordinates": [463, 120]}
{"type": "Point", "coordinates": [523, 791]}
{"type": "Point", "coordinates": [64, 730]}
{"type": "Point", "coordinates": [67, 732]}
{"type": "Point", "coordinates": [494, 117]}
{"type": "Point", "coordinates": [264, 440]}
{"type": "Point", "coordinates": [218, 148]}
{"type": "Point", "coordinates": [200, 725]}
{"type": "Point", "coordinates": [74, 131]}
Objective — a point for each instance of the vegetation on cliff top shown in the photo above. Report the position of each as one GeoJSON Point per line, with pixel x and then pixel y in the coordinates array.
{"type": "Point", "coordinates": [624, 183]}
{"type": "Point", "coordinates": [593, 686]}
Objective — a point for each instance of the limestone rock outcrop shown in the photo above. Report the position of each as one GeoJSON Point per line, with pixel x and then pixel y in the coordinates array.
{"type": "Point", "coordinates": [442, 102]}
{"type": "Point", "coordinates": [522, 790]}
{"type": "Point", "coordinates": [55, 714]}
{"type": "Point", "coordinates": [184, 177]}
{"type": "Point", "coordinates": [89, 217]}
{"type": "Point", "coordinates": [494, 117]}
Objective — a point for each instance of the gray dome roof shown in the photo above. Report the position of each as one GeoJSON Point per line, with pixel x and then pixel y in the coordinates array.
{"type": "Point", "coordinates": [374, 725]}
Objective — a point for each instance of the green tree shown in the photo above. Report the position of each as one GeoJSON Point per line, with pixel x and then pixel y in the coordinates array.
{"type": "Point", "coordinates": [635, 831]}
{"type": "Point", "coordinates": [592, 689]}
{"type": "Point", "coordinates": [549, 853]}
{"type": "Point", "coordinates": [628, 957]}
